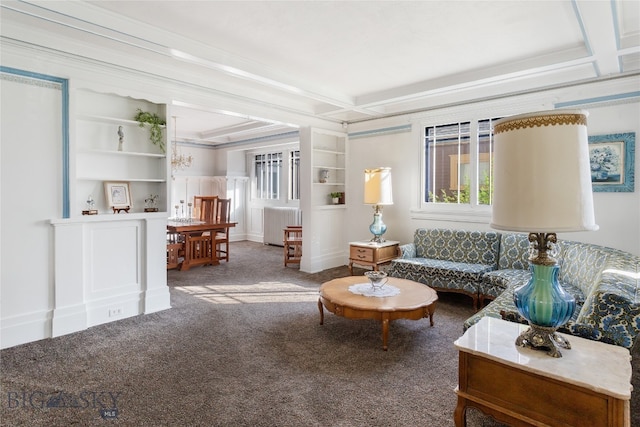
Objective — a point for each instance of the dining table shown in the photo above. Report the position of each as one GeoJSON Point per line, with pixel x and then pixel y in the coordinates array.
{"type": "Point", "coordinates": [199, 240]}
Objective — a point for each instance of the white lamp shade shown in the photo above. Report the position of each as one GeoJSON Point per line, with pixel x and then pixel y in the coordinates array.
{"type": "Point", "coordinates": [377, 186]}
{"type": "Point", "coordinates": [541, 175]}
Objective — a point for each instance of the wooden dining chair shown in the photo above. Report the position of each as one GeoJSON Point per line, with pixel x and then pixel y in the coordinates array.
{"type": "Point", "coordinates": [175, 250]}
{"type": "Point", "coordinates": [205, 207]}
{"type": "Point", "coordinates": [199, 249]}
{"type": "Point", "coordinates": [223, 214]}
{"type": "Point", "coordinates": [292, 242]}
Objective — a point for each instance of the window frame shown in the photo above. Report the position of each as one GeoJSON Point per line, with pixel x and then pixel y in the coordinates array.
{"type": "Point", "coordinates": [293, 178]}
{"type": "Point", "coordinates": [270, 158]}
{"type": "Point", "coordinates": [466, 212]}
{"type": "Point", "coordinates": [284, 182]}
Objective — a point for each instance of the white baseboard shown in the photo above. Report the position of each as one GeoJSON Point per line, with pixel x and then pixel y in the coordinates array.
{"type": "Point", "coordinates": [157, 299]}
{"type": "Point", "coordinates": [69, 319]}
{"type": "Point", "coordinates": [25, 328]}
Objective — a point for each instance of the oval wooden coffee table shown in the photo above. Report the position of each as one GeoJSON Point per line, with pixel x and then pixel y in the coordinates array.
{"type": "Point", "coordinates": [414, 302]}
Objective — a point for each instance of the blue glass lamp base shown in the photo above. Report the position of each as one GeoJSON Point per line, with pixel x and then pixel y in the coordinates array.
{"type": "Point", "coordinates": [377, 228]}
{"type": "Point", "coordinates": [546, 306]}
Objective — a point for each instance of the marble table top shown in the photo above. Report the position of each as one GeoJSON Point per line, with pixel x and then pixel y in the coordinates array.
{"type": "Point", "coordinates": [590, 364]}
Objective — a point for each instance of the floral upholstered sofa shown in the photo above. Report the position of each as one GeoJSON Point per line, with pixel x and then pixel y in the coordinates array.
{"type": "Point", "coordinates": [448, 260]}
{"type": "Point", "coordinates": [604, 281]}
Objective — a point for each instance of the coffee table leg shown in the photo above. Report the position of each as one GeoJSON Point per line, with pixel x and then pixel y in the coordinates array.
{"type": "Point", "coordinates": [321, 311]}
{"type": "Point", "coordinates": [385, 331]}
{"type": "Point", "coordinates": [430, 310]}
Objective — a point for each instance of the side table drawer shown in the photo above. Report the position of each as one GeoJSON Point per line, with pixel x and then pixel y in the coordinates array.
{"type": "Point", "coordinates": [358, 253]}
{"type": "Point", "coordinates": [387, 253]}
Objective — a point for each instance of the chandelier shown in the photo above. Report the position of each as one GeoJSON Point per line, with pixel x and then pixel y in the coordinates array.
{"type": "Point", "coordinates": [178, 160]}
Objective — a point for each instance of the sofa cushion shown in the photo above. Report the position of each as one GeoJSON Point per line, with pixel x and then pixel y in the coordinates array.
{"type": "Point", "coordinates": [503, 302]}
{"type": "Point", "coordinates": [495, 282]}
{"type": "Point", "coordinates": [504, 278]}
{"type": "Point", "coordinates": [514, 251]}
{"type": "Point", "coordinates": [473, 247]}
{"type": "Point", "coordinates": [440, 273]}
{"type": "Point", "coordinates": [609, 318]}
{"type": "Point", "coordinates": [408, 250]}
{"type": "Point", "coordinates": [611, 312]}
{"type": "Point", "coordinates": [581, 264]}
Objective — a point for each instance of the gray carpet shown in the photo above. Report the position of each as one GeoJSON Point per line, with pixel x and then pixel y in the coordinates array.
{"type": "Point", "coordinates": [242, 346]}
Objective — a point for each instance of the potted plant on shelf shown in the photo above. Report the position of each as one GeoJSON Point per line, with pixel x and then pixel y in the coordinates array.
{"type": "Point", "coordinates": [335, 197]}
{"type": "Point", "coordinates": [155, 126]}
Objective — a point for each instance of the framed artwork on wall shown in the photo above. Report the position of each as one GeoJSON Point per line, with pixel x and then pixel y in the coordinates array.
{"type": "Point", "coordinates": [612, 160]}
{"type": "Point", "coordinates": [118, 195]}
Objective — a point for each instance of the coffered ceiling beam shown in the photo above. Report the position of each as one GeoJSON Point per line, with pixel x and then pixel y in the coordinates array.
{"type": "Point", "coordinates": [244, 128]}
{"type": "Point", "coordinates": [598, 24]}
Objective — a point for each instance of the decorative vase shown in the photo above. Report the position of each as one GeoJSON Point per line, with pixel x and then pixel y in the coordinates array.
{"type": "Point", "coordinates": [324, 175]}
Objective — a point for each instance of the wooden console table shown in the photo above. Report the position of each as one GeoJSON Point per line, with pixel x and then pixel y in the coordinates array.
{"type": "Point", "coordinates": [371, 253]}
{"type": "Point", "coordinates": [590, 385]}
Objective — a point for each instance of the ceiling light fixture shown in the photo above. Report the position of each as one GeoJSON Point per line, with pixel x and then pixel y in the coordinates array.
{"type": "Point", "coordinates": [178, 160]}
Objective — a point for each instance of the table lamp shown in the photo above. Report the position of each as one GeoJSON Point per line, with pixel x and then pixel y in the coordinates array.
{"type": "Point", "coordinates": [377, 192]}
{"type": "Point", "coordinates": [542, 185]}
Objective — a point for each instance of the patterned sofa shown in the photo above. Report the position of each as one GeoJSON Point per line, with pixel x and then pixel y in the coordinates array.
{"type": "Point", "coordinates": [604, 281]}
{"type": "Point", "coordinates": [448, 260]}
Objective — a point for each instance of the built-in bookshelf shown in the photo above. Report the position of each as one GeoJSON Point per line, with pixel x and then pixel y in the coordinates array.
{"type": "Point", "coordinates": [110, 146]}
{"type": "Point", "coordinates": [328, 167]}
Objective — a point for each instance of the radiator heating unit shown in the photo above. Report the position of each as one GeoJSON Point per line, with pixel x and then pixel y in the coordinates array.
{"type": "Point", "coordinates": [275, 220]}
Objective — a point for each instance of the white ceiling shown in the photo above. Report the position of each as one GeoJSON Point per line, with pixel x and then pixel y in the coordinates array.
{"type": "Point", "coordinates": [343, 61]}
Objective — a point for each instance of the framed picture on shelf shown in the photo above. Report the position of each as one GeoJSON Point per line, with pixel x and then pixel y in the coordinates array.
{"type": "Point", "coordinates": [118, 195]}
{"type": "Point", "coordinates": [612, 162]}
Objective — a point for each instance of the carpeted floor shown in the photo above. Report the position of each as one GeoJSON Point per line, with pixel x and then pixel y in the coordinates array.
{"type": "Point", "coordinates": [242, 346]}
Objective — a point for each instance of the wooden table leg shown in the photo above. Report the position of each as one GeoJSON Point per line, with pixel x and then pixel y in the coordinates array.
{"type": "Point", "coordinates": [460, 414]}
{"type": "Point", "coordinates": [385, 331]}
{"type": "Point", "coordinates": [430, 310]}
{"type": "Point", "coordinates": [321, 311]}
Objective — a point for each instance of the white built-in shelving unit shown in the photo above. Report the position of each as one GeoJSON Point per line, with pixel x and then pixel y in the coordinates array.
{"type": "Point", "coordinates": [99, 159]}
{"type": "Point", "coordinates": [324, 243]}
{"type": "Point", "coordinates": [110, 265]}
{"type": "Point", "coordinates": [328, 154]}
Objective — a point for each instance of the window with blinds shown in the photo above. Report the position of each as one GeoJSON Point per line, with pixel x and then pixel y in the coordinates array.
{"type": "Point", "coordinates": [458, 167]}
{"type": "Point", "coordinates": [268, 168]}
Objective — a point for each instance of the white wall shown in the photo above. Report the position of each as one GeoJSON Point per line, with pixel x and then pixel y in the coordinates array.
{"type": "Point", "coordinates": [617, 213]}
{"type": "Point", "coordinates": [31, 180]}
{"type": "Point", "coordinates": [61, 275]}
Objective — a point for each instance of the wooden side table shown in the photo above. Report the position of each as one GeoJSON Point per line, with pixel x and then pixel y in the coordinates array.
{"type": "Point", "coordinates": [590, 385]}
{"type": "Point", "coordinates": [371, 253]}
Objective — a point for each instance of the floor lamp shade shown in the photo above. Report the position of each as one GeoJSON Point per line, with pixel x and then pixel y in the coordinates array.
{"type": "Point", "coordinates": [541, 175]}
